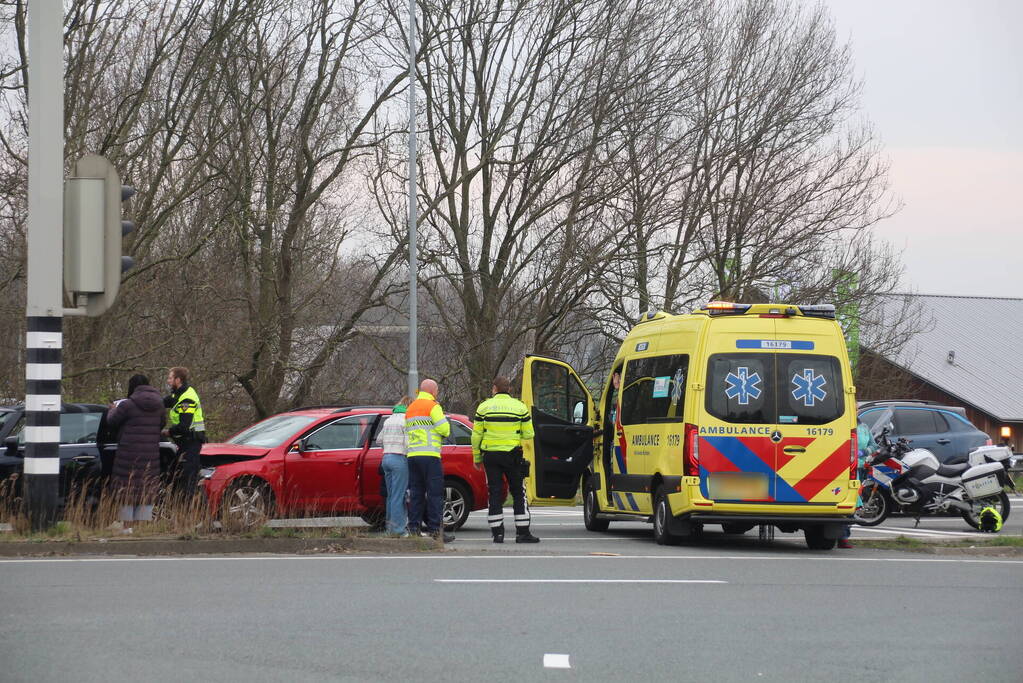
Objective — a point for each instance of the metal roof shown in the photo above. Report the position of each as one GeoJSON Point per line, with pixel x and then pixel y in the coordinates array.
{"type": "Point", "coordinates": [970, 347]}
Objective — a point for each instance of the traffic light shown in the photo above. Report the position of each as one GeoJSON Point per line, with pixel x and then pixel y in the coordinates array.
{"type": "Point", "coordinates": [93, 233]}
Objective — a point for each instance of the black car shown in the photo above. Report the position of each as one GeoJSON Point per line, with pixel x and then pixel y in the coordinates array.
{"type": "Point", "coordinates": [944, 430]}
{"type": "Point", "coordinates": [82, 464]}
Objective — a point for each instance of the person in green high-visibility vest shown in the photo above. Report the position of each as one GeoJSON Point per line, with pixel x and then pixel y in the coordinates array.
{"type": "Point", "coordinates": [187, 428]}
{"type": "Point", "coordinates": [500, 426]}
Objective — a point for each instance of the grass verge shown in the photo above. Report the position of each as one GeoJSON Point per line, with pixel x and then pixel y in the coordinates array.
{"type": "Point", "coordinates": [907, 543]}
{"type": "Point", "coordinates": [95, 517]}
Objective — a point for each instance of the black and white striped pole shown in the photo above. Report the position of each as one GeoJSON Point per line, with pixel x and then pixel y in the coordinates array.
{"type": "Point", "coordinates": [44, 296]}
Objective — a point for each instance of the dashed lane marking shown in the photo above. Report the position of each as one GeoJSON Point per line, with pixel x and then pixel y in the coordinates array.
{"type": "Point", "coordinates": [579, 581]}
{"type": "Point", "coordinates": [552, 661]}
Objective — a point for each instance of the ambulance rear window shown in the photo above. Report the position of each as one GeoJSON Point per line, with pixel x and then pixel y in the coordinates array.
{"type": "Point", "coordinates": [740, 387]}
{"type": "Point", "coordinates": [809, 389]}
{"type": "Point", "coordinates": [775, 388]}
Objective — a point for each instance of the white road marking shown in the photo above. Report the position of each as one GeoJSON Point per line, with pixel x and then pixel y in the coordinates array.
{"type": "Point", "coordinates": [935, 531]}
{"type": "Point", "coordinates": [556, 662]}
{"type": "Point", "coordinates": [502, 557]}
{"type": "Point", "coordinates": [579, 581]}
{"type": "Point", "coordinates": [927, 533]}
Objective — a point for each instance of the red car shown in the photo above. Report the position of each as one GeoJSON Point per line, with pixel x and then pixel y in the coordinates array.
{"type": "Point", "coordinates": [324, 461]}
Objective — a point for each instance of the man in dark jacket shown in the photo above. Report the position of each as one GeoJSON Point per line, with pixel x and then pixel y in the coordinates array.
{"type": "Point", "coordinates": [136, 472]}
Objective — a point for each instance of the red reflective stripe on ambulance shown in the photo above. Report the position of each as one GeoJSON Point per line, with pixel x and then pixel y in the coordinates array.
{"type": "Point", "coordinates": [785, 458]}
{"type": "Point", "coordinates": [825, 473]}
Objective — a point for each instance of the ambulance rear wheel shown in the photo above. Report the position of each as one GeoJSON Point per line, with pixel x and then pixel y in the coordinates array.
{"type": "Point", "coordinates": [590, 511]}
{"type": "Point", "coordinates": [662, 515]}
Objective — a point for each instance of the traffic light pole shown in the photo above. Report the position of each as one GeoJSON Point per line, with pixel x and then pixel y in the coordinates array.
{"type": "Point", "coordinates": [44, 300]}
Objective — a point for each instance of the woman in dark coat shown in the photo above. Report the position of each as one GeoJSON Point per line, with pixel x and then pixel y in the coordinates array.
{"type": "Point", "coordinates": [136, 476]}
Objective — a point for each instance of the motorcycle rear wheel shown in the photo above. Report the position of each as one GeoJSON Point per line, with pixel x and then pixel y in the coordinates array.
{"type": "Point", "coordinates": [999, 502]}
{"type": "Point", "coordinates": [875, 508]}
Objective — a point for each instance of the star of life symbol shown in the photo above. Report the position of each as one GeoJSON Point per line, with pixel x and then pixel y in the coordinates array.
{"type": "Point", "coordinates": [742, 386]}
{"type": "Point", "coordinates": [676, 386]}
{"type": "Point", "coordinates": [809, 387]}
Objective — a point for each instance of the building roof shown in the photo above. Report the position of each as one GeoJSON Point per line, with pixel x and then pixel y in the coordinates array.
{"type": "Point", "coordinates": [970, 347]}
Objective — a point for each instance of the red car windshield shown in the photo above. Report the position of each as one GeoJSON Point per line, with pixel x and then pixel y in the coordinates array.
{"type": "Point", "coordinates": [271, 432]}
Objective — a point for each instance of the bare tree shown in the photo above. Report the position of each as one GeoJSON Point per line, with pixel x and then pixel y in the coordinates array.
{"type": "Point", "coordinates": [524, 110]}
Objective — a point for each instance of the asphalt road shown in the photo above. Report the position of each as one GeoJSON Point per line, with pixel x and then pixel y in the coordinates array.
{"type": "Point", "coordinates": [562, 529]}
{"type": "Point", "coordinates": [611, 606]}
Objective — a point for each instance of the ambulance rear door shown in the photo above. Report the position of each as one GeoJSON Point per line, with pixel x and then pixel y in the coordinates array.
{"type": "Point", "coordinates": [816, 459]}
{"type": "Point", "coordinates": [563, 422]}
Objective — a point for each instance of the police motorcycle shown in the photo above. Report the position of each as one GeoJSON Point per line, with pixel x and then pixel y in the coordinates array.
{"type": "Point", "coordinates": [912, 481]}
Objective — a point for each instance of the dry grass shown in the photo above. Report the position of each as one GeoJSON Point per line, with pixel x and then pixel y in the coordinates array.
{"type": "Point", "coordinates": [85, 517]}
{"type": "Point", "coordinates": [88, 516]}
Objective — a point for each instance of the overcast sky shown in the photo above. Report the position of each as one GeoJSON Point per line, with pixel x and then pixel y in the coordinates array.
{"type": "Point", "coordinates": [943, 87]}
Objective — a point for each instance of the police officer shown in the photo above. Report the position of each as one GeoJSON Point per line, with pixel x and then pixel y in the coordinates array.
{"type": "Point", "coordinates": [187, 427]}
{"type": "Point", "coordinates": [500, 425]}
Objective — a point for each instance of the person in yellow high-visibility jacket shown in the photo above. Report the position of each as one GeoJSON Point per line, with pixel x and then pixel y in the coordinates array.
{"type": "Point", "coordinates": [426, 427]}
{"type": "Point", "coordinates": [499, 427]}
{"type": "Point", "coordinates": [187, 427]}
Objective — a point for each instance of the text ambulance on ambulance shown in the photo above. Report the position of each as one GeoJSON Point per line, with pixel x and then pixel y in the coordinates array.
{"type": "Point", "coordinates": [736, 414]}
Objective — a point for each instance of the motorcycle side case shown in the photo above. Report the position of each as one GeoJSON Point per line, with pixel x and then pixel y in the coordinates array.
{"type": "Point", "coordinates": [986, 454]}
{"type": "Point", "coordinates": [983, 480]}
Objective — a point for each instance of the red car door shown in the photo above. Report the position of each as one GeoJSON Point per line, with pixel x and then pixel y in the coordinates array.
{"type": "Point", "coordinates": [370, 465]}
{"type": "Point", "coordinates": [322, 474]}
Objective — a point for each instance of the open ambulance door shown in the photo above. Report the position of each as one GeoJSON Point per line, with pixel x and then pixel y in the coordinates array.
{"type": "Point", "coordinates": [563, 422]}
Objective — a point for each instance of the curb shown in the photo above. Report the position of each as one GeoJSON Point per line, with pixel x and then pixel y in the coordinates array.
{"type": "Point", "coordinates": [278, 546]}
{"type": "Point", "coordinates": [939, 549]}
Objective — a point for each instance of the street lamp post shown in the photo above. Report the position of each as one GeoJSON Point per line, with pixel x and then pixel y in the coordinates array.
{"type": "Point", "coordinates": [413, 306]}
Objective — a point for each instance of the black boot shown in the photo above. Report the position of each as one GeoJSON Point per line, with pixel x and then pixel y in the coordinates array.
{"type": "Point", "coordinates": [498, 533]}
{"type": "Point", "coordinates": [522, 535]}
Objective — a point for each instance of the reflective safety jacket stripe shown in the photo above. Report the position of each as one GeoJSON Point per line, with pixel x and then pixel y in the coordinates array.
{"type": "Point", "coordinates": [500, 424]}
{"type": "Point", "coordinates": [426, 426]}
{"type": "Point", "coordinates": [188, 402]}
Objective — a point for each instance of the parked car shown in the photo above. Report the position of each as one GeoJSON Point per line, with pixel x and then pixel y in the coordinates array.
{"type": "Point", "coordinates": [943, 430]}
{"type": "Point", "coordinates": [81, 463]}
{"type": "Point", "coordinates": [325, 461]}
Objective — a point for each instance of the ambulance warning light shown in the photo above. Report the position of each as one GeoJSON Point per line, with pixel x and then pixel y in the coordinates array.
{"type": "Point", "coordinates": [725, 308]}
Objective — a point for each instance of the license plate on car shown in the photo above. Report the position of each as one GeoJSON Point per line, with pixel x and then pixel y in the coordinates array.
{"type": "Point", "coordinates": [984, 486]}
{"type": "Point", "coordinates": [737, 486]}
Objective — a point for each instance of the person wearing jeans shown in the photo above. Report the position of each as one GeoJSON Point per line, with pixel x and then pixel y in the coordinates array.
{"type": "Point", "coordinates": [395, 466]}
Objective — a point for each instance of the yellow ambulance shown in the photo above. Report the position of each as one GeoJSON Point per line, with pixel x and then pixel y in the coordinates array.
{"type": "Point", "coordinates": [741, 415]}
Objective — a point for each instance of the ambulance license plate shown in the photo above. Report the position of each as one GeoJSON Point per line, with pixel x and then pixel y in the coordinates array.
{"type": "Point", "coordinates": [737, 486]}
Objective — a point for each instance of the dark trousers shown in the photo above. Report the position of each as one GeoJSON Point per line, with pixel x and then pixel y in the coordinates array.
{"type": "Point", "coordinates": [426, 483]}
{"type": "Point", "coordinates": [505, 465]}
{"type": "Point", "coordinates": [188, 467]}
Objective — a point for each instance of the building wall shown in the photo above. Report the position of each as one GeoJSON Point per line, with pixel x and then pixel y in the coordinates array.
{"type": "Point", "coordinates": [901, 384]}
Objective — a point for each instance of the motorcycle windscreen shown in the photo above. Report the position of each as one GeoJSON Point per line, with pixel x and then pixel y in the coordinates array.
{"type": "Point", "coordinates": [561, 409]}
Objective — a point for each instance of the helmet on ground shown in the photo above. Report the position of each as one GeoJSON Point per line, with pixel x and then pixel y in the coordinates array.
{"type": "Point", "coordinates": [990, 520]}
